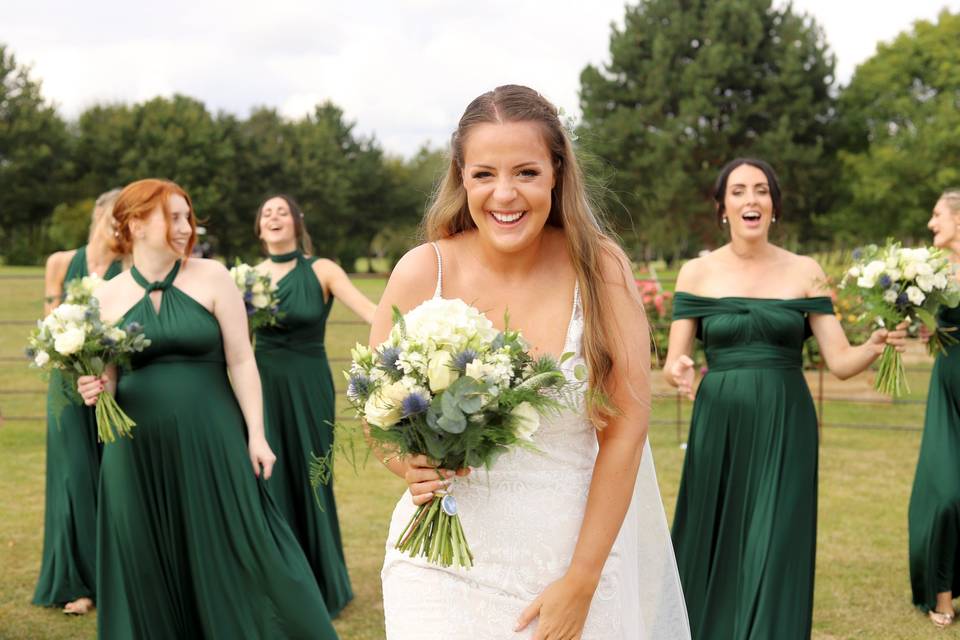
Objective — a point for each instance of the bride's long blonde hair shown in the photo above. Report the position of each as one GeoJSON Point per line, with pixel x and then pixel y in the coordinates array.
{"type": "Point", "coordinates": [588, 238]}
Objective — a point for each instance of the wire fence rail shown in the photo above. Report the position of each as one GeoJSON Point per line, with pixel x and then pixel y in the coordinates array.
{"type": "Point", "coordinates": [679, 421]}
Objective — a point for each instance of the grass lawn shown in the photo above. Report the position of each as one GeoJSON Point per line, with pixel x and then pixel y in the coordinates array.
{"type": "Point", "coordinates": [862, 587]}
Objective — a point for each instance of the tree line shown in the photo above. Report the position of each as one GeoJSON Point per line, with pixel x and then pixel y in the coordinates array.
{"type": "Point", "coordinates": [689, 85]}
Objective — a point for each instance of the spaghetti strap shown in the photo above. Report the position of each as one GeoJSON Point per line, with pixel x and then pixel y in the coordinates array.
{"type": "Point", "coordinates": [438, 292]}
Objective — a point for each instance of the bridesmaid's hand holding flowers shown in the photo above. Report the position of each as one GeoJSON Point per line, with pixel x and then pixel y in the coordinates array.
{"type": "Point", "coordinates": [90, 388]}
{"type": "Point", "coordinates": [897, 338]}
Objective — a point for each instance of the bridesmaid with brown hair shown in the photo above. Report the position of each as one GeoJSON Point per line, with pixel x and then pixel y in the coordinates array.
{"type": "Point", "coordinates": [68, 568]}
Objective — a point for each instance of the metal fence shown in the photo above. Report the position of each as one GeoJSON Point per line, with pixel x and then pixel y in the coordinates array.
{"type": "Point", "coordinates": [677, 421]}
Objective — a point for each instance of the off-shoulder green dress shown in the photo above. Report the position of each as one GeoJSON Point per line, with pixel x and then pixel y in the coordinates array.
{"type": "Point", "coordinates": [746, 519]}
{"type": "Point", "coordinates": [69, 566]}
{"type": "Point", "coordinates": [190, 543]}
{"type": "Point", "coordinates": [299, 405]}
{"type": "Point", "coordinates": [934, 515]}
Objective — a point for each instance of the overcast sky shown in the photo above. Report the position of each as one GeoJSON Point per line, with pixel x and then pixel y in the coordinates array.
{"type": "Point", "coordinates": [403, 70]}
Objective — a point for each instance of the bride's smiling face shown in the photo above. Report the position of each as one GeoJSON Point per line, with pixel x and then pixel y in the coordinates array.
{"type": "Point", "coordinates": [509, 177]}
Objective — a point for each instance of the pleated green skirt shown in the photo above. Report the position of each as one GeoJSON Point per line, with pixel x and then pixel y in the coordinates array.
{"type": "Point", "coordinates": [934, 515]}
{"type": "Point", "coordinates": [191, 544]}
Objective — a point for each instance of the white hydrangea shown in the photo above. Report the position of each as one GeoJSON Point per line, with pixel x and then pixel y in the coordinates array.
{"type": "Point", "coordinates": [449, 324]}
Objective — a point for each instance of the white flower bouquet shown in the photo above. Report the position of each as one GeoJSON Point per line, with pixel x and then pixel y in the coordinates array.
{"type": "Point", "coordinates": [448, 385]}
{"type": "Point", "coordinates": [893, 284]}
{"type": "Point", "coordinates": [74, 340]}
{"type": "Point", "coordinates": [80, 290]}
{"type": "Point", "coordinates": [259, 296]}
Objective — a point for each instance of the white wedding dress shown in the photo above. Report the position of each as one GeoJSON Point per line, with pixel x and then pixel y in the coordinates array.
{"type": "Point", "coordinates": [522, 519]}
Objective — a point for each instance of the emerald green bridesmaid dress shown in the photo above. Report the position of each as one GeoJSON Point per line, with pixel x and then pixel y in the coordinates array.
{"type": "Point", "coordinates": [299, 405]}
{"type": "Point", "coordinates": [190, 543]}
{"type": "Point", "coordinates": [746, 519]}
{"type": "Point", "coordinates": [68, 568]}
{"type": "Point", "coordinates": [934, 515]}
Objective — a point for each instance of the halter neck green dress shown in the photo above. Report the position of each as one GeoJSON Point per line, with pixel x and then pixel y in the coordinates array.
{"type": "Point", "coordinates": [298, 407]}
{"type": "Point", "coordinates": [746, 519]}
{"type": "Point", "coordinates": [190, 544]}
{"type": "Point", "coordinates": [68, 568]}
{"type": "Point", "coordinates": [934, 515]}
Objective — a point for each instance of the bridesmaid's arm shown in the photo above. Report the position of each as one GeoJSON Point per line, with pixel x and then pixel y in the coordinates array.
{"type": "Point", "coordinates": [843, 359]}
{"type": "Point", "coordinates": [334, 280]}
{"type": "Point", "coordinates": [229, 310]}
{"type": "Point", "coordinates": [678, 367]}
{"type": "Point", "coordinates": [53, 275]}
{"type": "Point", "coordinates": [564, 604]}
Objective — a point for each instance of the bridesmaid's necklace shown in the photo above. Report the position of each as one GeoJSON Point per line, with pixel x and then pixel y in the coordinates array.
{"type": "Point", "coordinates": [285, 257]}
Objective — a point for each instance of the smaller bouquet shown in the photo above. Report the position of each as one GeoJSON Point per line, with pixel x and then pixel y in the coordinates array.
{"type": "Point", "coordinates": [259, 296]}
{"type": "Point", "coordinates": [893, 284]}
{"type": "Point", "coordinates": [80, 290]}
{"type": "Point", "coordinates": [448, 385]}
{"type": "Point", "coordinates": [74, 340]}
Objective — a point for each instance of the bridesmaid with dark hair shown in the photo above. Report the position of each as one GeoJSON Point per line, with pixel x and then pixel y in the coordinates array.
{"type": "Point", "coordinates": [298, 393]}
{"type": "Point", "coordinates": [745, 527]}
{"type": "Point", "coordinates": [68, 568]}
{"type": "Point", "coordinates": [189, 542]}
{"type": "Point", "coordinates": [934, 515]}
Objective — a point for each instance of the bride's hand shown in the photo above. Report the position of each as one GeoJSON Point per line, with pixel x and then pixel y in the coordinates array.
{"type": "Point", "coordinates": [562, 609]}
{"type": "Point", "coordinates": [424, 478]}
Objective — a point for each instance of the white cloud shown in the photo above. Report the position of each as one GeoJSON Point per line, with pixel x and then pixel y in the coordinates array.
{"type": "Point", "coordinates": [403, 69]}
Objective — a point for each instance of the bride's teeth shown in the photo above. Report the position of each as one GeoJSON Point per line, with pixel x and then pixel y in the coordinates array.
{"type": "Point", "coordinates": [507, 217]}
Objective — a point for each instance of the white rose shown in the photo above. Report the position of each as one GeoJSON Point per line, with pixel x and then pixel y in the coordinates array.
{"type": "Point", "coordinates": [257, 288]}
{"type": "Point", "coordinates": [527, 420]}
{"type": "Point", "coordinates": [854, 272]}
{"type": "Point", "coordinates": [70, 313]}
{"type": "Point", "coordinates": [116, 334]}
{"type": "Point", "coordinates": [894, 274]}
{"type": "Point", "coordinates": [910, 271]}
{"type": "Point", "coordinates": [915, 295]}
{"type": "Point", "coordinates": [893, 262]}
{"type": "Point", "coordinates": [874, 269]}
{"type": "Point", "coordinates": [924, 269]}
{"type": "Point", "coordinates": [940, 282]}
{"type": "Point", "coordinates": [889, 296]}
{"type": "Point", "coordinates": [925, 282]}
{"type": "Point", "coordinates": [865, 282]}
{"type": "Point", "coordinates": [383, 408]}
{"type": "Point", "coordinates": [260, 300]}
{"type": "Point", "coordinates": [440, 371]}
{"type": "Point", "coordinates": [70, 341]}
{"type": "Point", "coordinates": [41, 358]}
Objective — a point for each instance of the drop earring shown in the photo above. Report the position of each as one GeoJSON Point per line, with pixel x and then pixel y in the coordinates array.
{"type": "Point", "coordinates": [723, 219]}
{"type": "Point", "coordinates": [774, 218]}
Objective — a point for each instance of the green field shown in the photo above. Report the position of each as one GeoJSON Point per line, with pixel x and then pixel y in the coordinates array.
{"type": "Point", "coordinates": [862, 587]}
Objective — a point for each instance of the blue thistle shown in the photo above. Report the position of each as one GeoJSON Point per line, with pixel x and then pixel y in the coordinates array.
{"type": "Point", "coordinates": [902, 300]}
{"type": "Point", "coordinates": [390, 359]}
{"type": "Point", "coordinates": [30, 352]}
{"type": "Point", "coordinates": [89, 314]}
{"type": "Point", "coordinates": [498, 342]}
{"type": "Point", "coordinates": [857, 253]}
{"type": "Point", "coordinates": [885, 281]}
{"type": "Point", "coordinates": [462, 359]}
{"type": "Point", "coordinates": [107, 341]}
{"type": "Point", "coordinates": [358, 386]}
{"type": "Point", "coordinates": [414, 404]}
{"type": "Point", "coordinates": [247, 296]}
{"type": "Point", "coordinates": [134, 328]}
{"type": "Point", "coordinates": [250, 308]}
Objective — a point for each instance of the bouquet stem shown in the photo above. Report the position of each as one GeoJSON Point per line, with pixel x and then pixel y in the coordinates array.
{"type": "Point", "coordinates": [891, 376]}
{"type": "Point", "coordinates": [436, 533]}
{"type": "Point", "coordinates": [111, 418]}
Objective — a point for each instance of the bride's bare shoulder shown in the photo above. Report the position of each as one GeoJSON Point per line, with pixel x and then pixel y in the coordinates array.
{"type": "Point", "coordinates": [414, 278]}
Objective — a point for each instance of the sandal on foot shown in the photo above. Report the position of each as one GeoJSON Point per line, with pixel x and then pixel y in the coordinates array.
{"type": "Point", "coordinates": [78, 607]}
{"type": "Point", "coordinates": [941, 620]}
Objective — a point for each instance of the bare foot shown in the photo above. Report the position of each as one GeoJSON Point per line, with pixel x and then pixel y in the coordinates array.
{"type": "Point", "coordinates": [78, 607]}
{"type": "Point", "coordinates": [940, 619]}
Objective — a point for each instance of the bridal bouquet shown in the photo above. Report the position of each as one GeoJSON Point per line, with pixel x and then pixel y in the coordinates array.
{"type": "Point", "coordinates": [259, 295]}
{"type": "Point", "coordinates": [894, 284]}
{"type": "Point", "coordinates": [74, 340]}
{"type": "Point", "coordinates": [448, 385]}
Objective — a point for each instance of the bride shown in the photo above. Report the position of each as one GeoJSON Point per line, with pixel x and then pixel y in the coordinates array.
{"type": "Point", "coordinates": [569, 539]}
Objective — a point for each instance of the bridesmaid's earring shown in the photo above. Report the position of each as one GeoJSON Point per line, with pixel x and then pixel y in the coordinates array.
{"type": "Point", "coordinates": [723, 219]}
{"type": "Point", "coordinates": [774, 218]}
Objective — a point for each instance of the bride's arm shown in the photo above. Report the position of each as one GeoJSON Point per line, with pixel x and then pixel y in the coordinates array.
{"type": "Point", "coordinates": [564, 605]}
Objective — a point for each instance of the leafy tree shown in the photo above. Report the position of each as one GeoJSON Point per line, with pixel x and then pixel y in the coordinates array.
{"type": "Point", "coordinates": [34, 161]}
{"type": "Point", "coordinates": [70, 224]}
{"type": "Point", "coordinates": [900, 122]}
{"type": "Point", "coordinates": [693, 84]}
